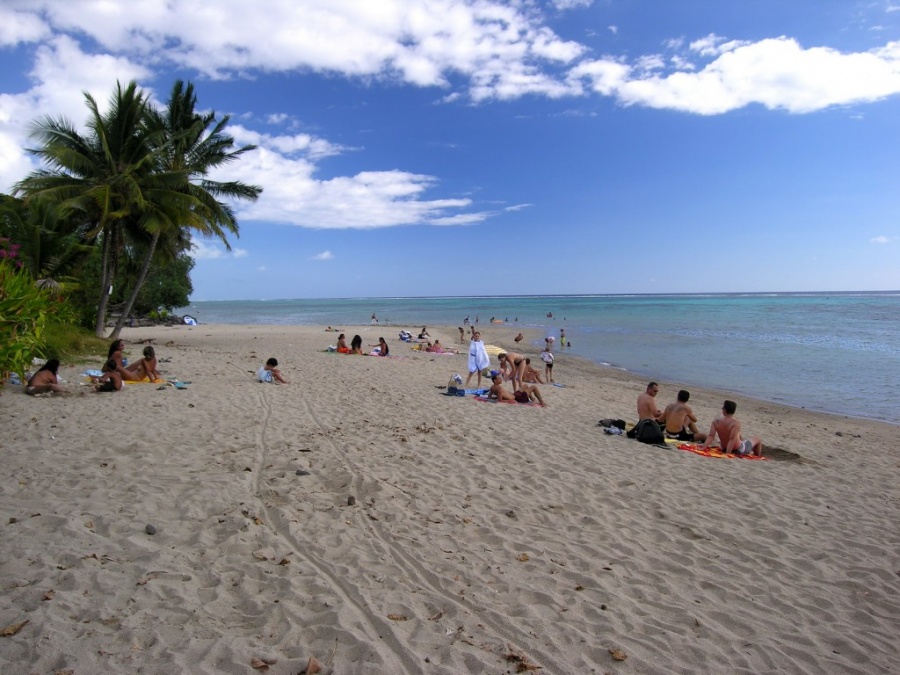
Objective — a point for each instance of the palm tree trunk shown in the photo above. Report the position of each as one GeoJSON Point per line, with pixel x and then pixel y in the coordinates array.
{"type": "Point", "coordinates": [145, 268]}
{"type": "Point", "coordinates": [100, 325]}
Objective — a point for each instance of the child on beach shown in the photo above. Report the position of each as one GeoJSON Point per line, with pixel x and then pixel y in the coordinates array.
{"type": "Point", "coordinates": [547, 358]}
{"type": "Point", "coordinates": [270, 372]}
{"type": "Point", "coordinates": [110, 380]}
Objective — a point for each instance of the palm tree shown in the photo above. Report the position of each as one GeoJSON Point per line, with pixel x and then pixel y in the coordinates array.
{"type": "Point", "coordinates": [52, 242]}
{"type": "Point", "coordinates": [190, 149]}
{"type": "Point", "coordinates": [110, 175]}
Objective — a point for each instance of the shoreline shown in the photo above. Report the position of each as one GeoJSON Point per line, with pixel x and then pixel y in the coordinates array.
{"type": "Point", "coordinates": [359, 516]}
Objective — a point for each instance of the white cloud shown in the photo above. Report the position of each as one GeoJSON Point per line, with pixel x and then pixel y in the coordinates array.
{"type": "Point", "coordinates": [572, 4]}
{"type": "Point", "coordinates": [613, 29]}
{"type": "Point", "coordinates": [203, 250]}
{"type": "Point", "coordinates": [17, 27]}
{"type": "Point", "coordinates": [776, 73]}
{"type": "Point", "coordinates": [324, 255]}
{"type": "Point", "coordinates": [368, 200]}
{"type": "Point", "coordinates": [713, 45]}
{"type": "Point", "coordinates": [462, 218]}
{"type": "Point", "coordinates": [881, 239]}
{"type": "Point", "coordinates": [496, 50]}
{"type": "Point", "coordinates": [304, 144]}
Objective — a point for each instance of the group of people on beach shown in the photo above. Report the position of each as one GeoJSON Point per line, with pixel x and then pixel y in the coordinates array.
{"type": "Point", "coordinates": [114, 373]}
{"type": "Point", "coordinates": [514, 368]}
{"type": "Point", "coordinates": [679, 422]}
{"type": "Point", "coordinates": [355, 345]}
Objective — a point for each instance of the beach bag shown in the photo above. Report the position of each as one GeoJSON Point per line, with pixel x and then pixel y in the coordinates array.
{"type": "Point", "coordinates": [620, 424]}
{"type": "Point", "coordinates": [455, 386]}
{"type": "Point", "coordinates": [648, 431]}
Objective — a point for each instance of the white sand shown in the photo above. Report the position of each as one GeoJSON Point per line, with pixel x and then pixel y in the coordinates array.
{"type": "Point", "coordinates": [480, 532]}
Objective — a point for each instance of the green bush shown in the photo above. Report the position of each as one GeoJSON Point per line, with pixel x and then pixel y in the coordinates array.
{"type": "Point", "coordinates": [68, 340]}
{"type": "Point", "coordinates": [24, 312]}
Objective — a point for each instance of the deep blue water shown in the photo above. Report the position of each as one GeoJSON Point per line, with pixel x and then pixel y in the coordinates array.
{"type": "Point", "coordinates": [835, 352]}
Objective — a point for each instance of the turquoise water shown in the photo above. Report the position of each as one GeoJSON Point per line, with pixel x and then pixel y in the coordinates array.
{"type": "Point", "coordinates": [834, 352]}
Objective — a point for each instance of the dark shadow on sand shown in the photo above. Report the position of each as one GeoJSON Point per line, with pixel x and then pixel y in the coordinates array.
{"type": "Point", "coordinates": [781, 455]}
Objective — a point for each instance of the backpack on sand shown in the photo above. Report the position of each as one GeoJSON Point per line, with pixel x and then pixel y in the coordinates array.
{"type": "Point", "coordinates": [648, 431]}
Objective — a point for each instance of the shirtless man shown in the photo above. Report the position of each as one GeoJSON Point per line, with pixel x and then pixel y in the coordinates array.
{"type": "Point", "coordinates": [525, 394]}
{"type": "Point", "coordinates": [729, 431]}
{"type": "Point", "coordinates": [513, 366]}
{"type": "Point", "coordinates": [681, 423]}
{"type": "Point", "coordinates": [646, 404]}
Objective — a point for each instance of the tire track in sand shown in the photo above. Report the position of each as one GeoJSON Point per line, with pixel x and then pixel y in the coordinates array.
{"type": "Point", "coordinates": [410, 565]}
{"type": "Point", "coordinates": [381, 632]}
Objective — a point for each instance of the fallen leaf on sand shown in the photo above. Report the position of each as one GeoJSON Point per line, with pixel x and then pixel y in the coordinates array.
{"type": "Point", "coordinates": [312, 667]}
{"type": "Point", "coordinates": [523, 557]}
{"type": "Point", "coordinates": [618, 654]}
{"type": "Point", "coordinates": [263, 664]}
{"type": "Point", "coordinates": [284, 561]}
{"type": "Point", "coordinates": [12, 629]}
{"type": "Point", "coordinates": [522, 664]}
{"type": "Point", "coordinates": [398, 617]}
{"type": "Point", "coordinates": [436, 616]}
{"type": "Point", "coordinates": [48, 595]}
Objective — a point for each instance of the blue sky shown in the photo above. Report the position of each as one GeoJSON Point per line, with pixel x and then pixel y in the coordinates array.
{"type": "Point", "coordinates": [475, 147]}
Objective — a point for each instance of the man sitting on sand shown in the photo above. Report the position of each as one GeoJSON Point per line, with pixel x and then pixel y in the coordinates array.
{"type": "Point", "coordinates": [526, 393]}
{"type": "Point", "coordinates": [729, 431]}
{"type": "Point", "coordinates": [680, 421]}
{"type": "Point", "coordinates": [646, 404]}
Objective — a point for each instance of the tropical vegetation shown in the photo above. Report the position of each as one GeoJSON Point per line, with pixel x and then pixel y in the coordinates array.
{"type": "Point", "coordinates": [106, 222]}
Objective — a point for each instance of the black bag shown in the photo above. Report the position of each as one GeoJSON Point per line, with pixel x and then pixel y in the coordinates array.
{"type": "Point", "coordinates": [648, 431]}
{"type": "Point", "coordinates": [612, 423]}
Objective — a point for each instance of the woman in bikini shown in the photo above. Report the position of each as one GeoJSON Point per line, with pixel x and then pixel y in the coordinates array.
{"type": "Point", "coordinates": [383, 349]}
{"type": "Point", "coordinates": [513, 365]}
{"type": "Point", "coordinates": [342, 347]}
{"type": "Point", "coordinates": [46, 380]}
{"type": "Point", "coordinates": [146, 367]}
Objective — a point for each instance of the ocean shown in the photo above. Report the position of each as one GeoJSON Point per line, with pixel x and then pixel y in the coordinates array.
{"type": "Point", "coordinates": [831, 352]}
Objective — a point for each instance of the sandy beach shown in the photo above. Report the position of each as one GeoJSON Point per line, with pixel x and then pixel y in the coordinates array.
{"type": "Point", "coordinates": [360, 517]}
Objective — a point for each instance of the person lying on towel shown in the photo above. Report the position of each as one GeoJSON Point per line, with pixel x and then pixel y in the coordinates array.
{"type": "Point", "coordinates": [526, 393]}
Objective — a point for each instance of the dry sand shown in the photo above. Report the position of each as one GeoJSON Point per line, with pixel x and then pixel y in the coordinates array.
{"type": "Point", "coordinates": [359, 516]}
